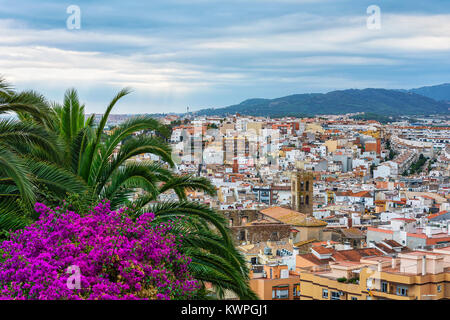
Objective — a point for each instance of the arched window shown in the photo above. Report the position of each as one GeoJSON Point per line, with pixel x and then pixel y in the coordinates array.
{"type": "Point", "coordinates": [307, 199]}
{"type": "Point", "coordinates": [307, 185]}
{"type": "Point", "coordinates": [301, 200]}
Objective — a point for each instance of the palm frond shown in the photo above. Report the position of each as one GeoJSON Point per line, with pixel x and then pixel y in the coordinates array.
{"type": "Point", "coordinates": [12, 166]}
{"type": "Point", "coordinates": [93, 146]}
{"type": "Point", "coordinates": [103, 168]}
{"type": "Point", "coordinates": [19, 135]}
{"type": "Point", "coordinates": [188, 182]}
{"type": "Point", "coordinates": [57, 179]}
{"type": "Point", "coordinates": [11, 216]}
{"type": "Point", "coordinates": [181, 209]}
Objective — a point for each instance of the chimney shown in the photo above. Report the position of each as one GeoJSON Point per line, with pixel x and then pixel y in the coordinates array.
{"type": "Point", "coordinates": [393, 263]}
{"type": "Point", "coordinates": [380, 266]}
{"type": "Point", "coordinates": [424, 265]}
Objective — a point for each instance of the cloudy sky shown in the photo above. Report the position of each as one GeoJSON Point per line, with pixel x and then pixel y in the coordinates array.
{"type": "Point", "coordinates": [212, 53]}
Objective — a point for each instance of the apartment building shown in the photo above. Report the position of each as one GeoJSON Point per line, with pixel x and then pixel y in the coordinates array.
{"type": "Point", "coordinates": [275, 282]}
{"type": "Point", "coordinates": [416, 275]}
{"type": "Point", "coordinates": [407, 232]}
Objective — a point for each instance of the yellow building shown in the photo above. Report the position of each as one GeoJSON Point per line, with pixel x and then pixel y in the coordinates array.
{"type": "Point", "coordinates": [254, 127]}
{"type": "Point", "coordinates": [417, 275]}
{"type": "Point", "coordinates": [314, 127]}
{"type": "Point", "coordinates": [331, 145]}
{"type": "Point", "coordinates": [372, 133]}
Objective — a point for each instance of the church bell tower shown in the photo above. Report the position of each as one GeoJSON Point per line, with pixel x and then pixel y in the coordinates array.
{"type": "Point", "coordinates": [302, 191]}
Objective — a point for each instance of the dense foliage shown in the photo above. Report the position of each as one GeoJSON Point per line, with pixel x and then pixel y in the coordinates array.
{"type": "Point", "coordinates": [118, 258]}
{"type": "Point", "coordinates": [416, 167]}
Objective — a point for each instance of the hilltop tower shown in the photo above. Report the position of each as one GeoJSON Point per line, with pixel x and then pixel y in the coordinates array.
{"type": "Point", "coordinates": [302, 191]}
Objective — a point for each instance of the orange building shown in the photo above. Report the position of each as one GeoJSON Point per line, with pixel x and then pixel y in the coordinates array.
{"type": "Point", "coordinates": [276, 282]}
{"type": "Point", "coordinates": [374, 146]}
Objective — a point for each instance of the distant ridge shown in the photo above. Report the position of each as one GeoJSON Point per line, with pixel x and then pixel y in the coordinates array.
{"type": "Point", "coordinates": [380, 101]}
{"type": "Point", "coordinates": [439, 92]}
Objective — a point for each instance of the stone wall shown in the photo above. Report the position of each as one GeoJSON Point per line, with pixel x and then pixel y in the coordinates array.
{"type": "Point", "coordinates": [239, 220]}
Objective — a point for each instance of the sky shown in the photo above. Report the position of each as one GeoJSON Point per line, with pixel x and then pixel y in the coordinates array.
{"type": "Point", "coordinates": [199, 54]}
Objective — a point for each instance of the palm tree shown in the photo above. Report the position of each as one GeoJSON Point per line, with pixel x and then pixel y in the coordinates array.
{"type": "Point", "coordinates": [75, 145]}
{"type": "Point", "coordinates": [23, 146]}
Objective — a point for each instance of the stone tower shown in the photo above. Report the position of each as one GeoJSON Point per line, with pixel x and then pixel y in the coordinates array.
{"type": "Point", "coordinates": [302, 191]}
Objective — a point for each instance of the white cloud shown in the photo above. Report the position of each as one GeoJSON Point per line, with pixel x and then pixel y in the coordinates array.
{"type": "Point", "coordinates": [168, 64]}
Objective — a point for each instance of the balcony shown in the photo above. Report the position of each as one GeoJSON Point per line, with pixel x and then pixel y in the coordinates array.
{"type": "Point", "coordinates": [391, 295]}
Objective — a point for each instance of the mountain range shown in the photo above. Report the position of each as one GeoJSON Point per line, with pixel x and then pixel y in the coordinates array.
{"type": "Point", "coordinates": [419, 101]}
{"type": "Point", "coordinates": [440, 92]}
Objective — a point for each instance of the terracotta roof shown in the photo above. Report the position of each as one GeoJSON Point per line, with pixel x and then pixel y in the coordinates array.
{"type": "Point", "coordinates": [432, 216]}
{"type": "Point", "coordinates": [356, 254]}
{"type": "Point", "coordinates": [322, 250]}
{"type": "Point", "coordinates": [380, 230]}
{"type": "Point", "coordinates": [277, 212]}
{"type": "Point", "coordinates": [384, 248]}
{"type": "Point", "coordinates": [292, 217]}
{"type": "Point", "coordinates": [352, 255]}
{"type": "Point", "coordinates": [352, 233]}
{"type": "Point", "coordinates": [404, 219]}
{"type": "Point", "coordinates": [313, 259]}
{"type": "Point", "coordinates": [362, 194]}
{"type": "Point", "coordinates": [392, 243]}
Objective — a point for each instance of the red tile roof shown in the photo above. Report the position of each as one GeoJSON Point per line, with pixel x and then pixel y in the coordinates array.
{"type": "Point", "coordinates": [379, 230]}
{"type": "Point", "coordinates": [313, 259]}
{"type": "Point", "coordinates": [392, 243]}
{"type": "Point", "coordinates": [384, 248]}
{"type": "Point", "coordinates": [323, 250]}
{"type": "Point", "coordinates": [404, 219]}
{"type": "Point", "coordinates": [356, 254]}
{"type": "Point", "coordinates": [431, 216]}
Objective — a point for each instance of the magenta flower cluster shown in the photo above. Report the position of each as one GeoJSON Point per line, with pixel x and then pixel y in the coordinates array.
{"type": "Point", "coordinates": [117, 258]}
